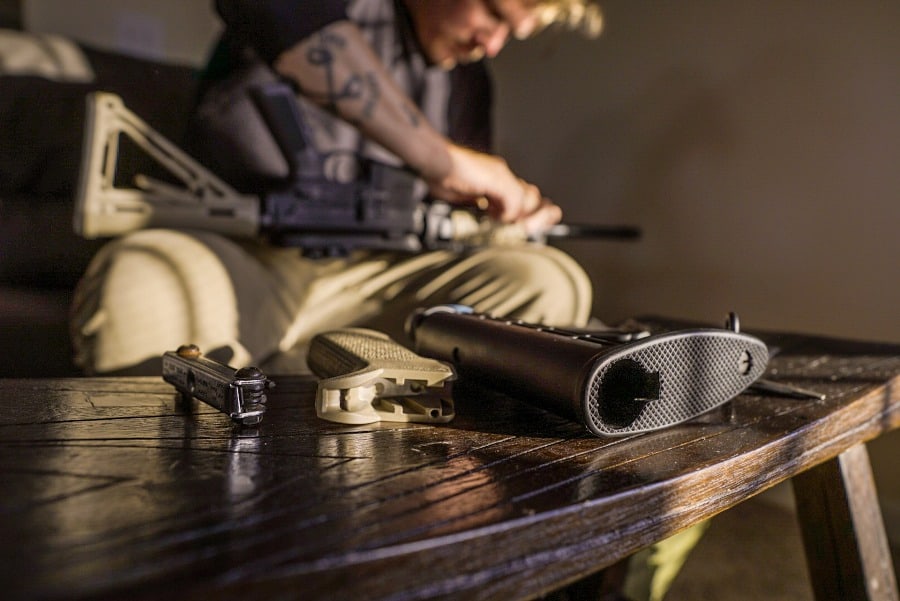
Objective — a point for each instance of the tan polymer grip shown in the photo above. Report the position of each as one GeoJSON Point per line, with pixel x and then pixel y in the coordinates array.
{"type": "Point", "coordinates": [365, 377]}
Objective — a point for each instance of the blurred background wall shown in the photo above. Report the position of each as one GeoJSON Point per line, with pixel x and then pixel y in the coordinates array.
{"type": "Point", "coordinates": [755, 143]}
{"type": "Point", "coordinates": [178, 31]}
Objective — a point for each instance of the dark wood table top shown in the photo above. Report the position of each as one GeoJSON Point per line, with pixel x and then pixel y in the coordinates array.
{"type": "Point", "coordinates": [111, 490]}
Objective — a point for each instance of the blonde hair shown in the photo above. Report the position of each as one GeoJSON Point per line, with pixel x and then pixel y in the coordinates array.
{"type": "Point", "coordinates": [579, 15]}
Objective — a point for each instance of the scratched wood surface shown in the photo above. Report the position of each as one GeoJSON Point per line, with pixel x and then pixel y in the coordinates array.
{"type": "Point", "coordinates": [111, 490]}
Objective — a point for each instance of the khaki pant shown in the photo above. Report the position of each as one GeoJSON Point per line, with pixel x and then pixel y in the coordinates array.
{"type": "Point", "coordinates": [153, 290]}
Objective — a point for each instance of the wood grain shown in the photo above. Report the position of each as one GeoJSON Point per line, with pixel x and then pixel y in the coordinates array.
{"type": "Point", "coordinates": [843, 534]}
{"type": "Point", "coordinates": [112, 489]}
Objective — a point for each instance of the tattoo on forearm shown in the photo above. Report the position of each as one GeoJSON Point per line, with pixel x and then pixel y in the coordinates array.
{"type": "Point", "coordinates": [363, 88]}
{"type": "Point", "coordinates": [374, 95]}
{"type": "Point", "coordinates": [412, 114]}
{"type": "Point", "coordinates": [321, 55]}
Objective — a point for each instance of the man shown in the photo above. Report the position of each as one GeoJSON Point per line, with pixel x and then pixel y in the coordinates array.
{"type": "Point", "coordinates": [386, 79]}
{"type": "Point", "coordinates": [393, 80]}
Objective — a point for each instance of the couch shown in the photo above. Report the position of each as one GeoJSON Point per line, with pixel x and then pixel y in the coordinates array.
{"type": "Point", "coordinates": [44, 81]}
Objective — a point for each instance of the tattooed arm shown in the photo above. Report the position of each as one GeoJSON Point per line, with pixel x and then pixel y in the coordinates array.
{"type": "Point", "coordinates": [336, 68]}
{"type": "Point", "coordinates": [327, 56]}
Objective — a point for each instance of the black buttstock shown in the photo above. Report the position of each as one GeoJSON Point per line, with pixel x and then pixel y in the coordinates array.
{"type": "Point", "coordinates": [613, 388]}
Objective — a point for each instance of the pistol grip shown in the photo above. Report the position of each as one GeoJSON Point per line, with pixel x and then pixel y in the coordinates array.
{"type": "Point", "coordinates": [365, 377]}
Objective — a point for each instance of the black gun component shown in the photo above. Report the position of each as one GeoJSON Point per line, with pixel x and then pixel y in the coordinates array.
{"type": "Point", "coordinates": [379, 207]}
{"type": "Point", "coordinates": [239, 393]}
{"type": "Point", "coordinates": [612, 387]}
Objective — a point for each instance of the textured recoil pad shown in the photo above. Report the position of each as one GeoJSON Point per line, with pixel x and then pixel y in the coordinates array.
{"type": "Point", "coordinates": [613, 388]}
{"type": "Point", "coordinates": [365, 377]}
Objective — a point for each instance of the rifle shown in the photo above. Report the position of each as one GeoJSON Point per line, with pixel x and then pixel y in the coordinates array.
{"type": "Point", "coordinates": [383, 208]}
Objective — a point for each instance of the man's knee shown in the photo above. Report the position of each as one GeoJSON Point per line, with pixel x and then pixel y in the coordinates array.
{"type": "Point", "coordinates": [147, 293]}
{"type": "Point", "coordinates": [535, 283]}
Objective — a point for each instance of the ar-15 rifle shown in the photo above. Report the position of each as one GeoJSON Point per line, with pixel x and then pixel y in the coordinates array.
{"type": "Point", "coordinates": [383, 207]}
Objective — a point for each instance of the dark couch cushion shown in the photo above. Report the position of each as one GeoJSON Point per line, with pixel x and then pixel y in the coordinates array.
{"type": "Point", "coordinates": [42, 123]}
{"type": "Point", "coordinates": [41, 133]}
{"type": "Point", "coordinates": [42, 120]}
{"type": "Point", "coordinates": [38, 245]}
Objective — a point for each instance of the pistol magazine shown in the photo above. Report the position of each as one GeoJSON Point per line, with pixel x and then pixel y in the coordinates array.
{"type": "Point", "coordinates": [240, 394]}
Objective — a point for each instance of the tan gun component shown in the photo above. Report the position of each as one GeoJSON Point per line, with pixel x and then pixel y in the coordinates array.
{"type": "Point", "coordinates": [368, 377]}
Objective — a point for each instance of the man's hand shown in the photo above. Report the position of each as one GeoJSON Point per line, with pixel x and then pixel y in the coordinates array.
{"type": "Point", "coordinates": [487, 181]}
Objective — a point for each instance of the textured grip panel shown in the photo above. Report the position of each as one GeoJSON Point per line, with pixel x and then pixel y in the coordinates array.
{"type": "Point", "coordinates": [367, 377]}
{"type": "Point", "coordinates": [698, 371]}
{"type": "Point", "coordinates": [351, 350]}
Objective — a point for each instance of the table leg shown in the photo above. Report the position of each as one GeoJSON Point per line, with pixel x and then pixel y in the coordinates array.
{"type": "Point", "coordinates": [847, 551]}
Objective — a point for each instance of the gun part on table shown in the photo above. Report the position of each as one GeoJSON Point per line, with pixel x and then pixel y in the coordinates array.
{"type": "Point", "coordinates": [381, 207]}
{"type": "Point", "coordinates": [239, 393]}
{"type": "Point", "coordinates": [367, 377]}
{"type": "Point", "coordinates": [612, 382]}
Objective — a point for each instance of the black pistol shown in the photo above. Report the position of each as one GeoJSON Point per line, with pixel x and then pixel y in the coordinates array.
{"type": "Point", "coordinates": [613, 382]}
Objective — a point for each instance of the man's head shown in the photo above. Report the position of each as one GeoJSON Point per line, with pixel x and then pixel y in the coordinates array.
{"type": "Point", "coordinates": [459, 31]}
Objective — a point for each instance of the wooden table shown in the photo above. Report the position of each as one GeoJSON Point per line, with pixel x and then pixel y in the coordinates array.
{"type": "Point", "coordinates": [111, 490]}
